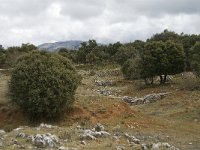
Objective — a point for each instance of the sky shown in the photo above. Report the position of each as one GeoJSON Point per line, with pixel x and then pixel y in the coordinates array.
{"type": "Point", "coordinates": [107, 21]}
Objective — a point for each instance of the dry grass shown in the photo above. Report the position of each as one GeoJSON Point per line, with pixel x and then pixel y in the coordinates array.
{"type": "Point", "coordinates": [176, 118]}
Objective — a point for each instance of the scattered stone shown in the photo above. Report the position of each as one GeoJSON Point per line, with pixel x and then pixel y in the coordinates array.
{"type": "Point", "coordinates": [18, 129]}
{"type": "Point", "coordinates": [2, 132]}
{"type": "Point", "coordinates": [104, 134]}
{"type": "Point", "coordinates": [96, 132]}
{"type": "Point", "coordinates": [86, 136]}
{"type": "Point", "coordinates": [104, 92]}
{"type": "Point", "coordinates": [144, 147]}
{"type": "Point", "coordinates": [83, 142]}
{"type": "Point", "coordinates": [161, 145]}
{"type": "Point", "coordinates": [120, 148]}
{"type": "Point", "coordinates": [21, 135]}
{"type": "Point", "coordinates": [150, 98]}
{"type": "Point", "coordinates": [42, 125]}
{"type": "Point", "coordinates": [41, 140]}
{"type": "Point", "coordinates": [116, 138]}
{"type": "Point", "coordinates": [30, 138]}
{"type": "Point", "coordinates": [63, 148]}
{"type": "Point", "coordinates": [104, 83]}
{"type": "Point", "coordinates": [132, 139]}
{"type": "Point", "coordinates": [78, 127]}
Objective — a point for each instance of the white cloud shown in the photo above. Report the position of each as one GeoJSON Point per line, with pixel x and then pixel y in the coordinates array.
{"type": "Point", "coordinates": [39, 21]}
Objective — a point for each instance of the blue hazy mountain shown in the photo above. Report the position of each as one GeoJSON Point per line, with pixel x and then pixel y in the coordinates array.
{"type": "Point", "coordinates": [70, 45]}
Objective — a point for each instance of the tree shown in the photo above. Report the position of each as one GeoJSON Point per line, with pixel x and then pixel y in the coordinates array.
{"type": "Point", "coordinates": [64, 52]}
{"type": "Point", "coordinates": [188, 41]}
{"type": "Point", "coordinates": [195, 57]}
{"type": "Point", "coordinates": [43, 84]}
{"type": "Point", "coordinates": [162, 59]}
{"type": "Point", "coordinates": [2, 56]}
{"type": "Point", "coordinates": [14, 52]}
{"type": "Point", "coordinates": [124, 53]}
{"type": "Point", "coordinates": [85, 49]}
{"type": "Point", "coordinates": [113, 48]}
{"type": "Point", "coordinates": [27, 47]}
{"type": "Point", "coordinates": [70, 54]}
{"type": "Point", "coordinates": [11, 56]}
{"type": "Point", "coordinates": [131, 69]}
{"type": "Point", "coordinates": [165, 36]}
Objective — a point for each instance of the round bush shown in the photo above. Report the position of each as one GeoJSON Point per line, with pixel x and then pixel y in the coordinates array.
{"type": "Point", "coordinates": [43, 84]}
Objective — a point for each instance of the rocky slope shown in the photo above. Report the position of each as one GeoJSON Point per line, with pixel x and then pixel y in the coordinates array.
{"type": "Point", "coordinates": [76, 138]}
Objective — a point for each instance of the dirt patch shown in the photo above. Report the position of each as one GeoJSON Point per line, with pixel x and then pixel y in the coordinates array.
{"type": "Point", "coordinates": [11, 117]}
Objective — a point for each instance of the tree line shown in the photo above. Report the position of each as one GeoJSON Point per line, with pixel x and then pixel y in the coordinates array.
{"type": "Point", "coordinates": [163, 54]}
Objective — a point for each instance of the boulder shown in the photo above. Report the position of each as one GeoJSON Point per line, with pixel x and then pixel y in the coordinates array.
{"type": "Point", "coordinates": [2, 132]}
{"type": "Point", "coordinates": [43, 141]}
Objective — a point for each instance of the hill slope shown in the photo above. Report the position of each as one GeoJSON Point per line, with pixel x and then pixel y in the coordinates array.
{"type": "Point", "coordinates": [71, 45]}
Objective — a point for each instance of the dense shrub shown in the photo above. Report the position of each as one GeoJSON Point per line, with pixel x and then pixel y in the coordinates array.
{"type": "Point", "coordinates": [43, 84]}
{"type": "Point", "coordinates": [131, 69]}
{"type": "Point", "coordinates": [195, 58]}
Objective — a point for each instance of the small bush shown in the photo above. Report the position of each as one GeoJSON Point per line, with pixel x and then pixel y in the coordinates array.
{"type": "Point", "coordinates": [43, 84]}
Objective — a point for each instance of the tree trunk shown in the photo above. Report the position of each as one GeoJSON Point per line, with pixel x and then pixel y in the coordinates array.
{"type": "Point", "coordinates": [165, 78]}
{"type": "Point", "coordinates": [151, 80]}
{"type": "Point", "coordinates": [161, 79]}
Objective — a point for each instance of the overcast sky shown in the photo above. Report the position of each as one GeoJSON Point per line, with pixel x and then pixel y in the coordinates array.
{"type": "Point", "coordinates": [41, 21]}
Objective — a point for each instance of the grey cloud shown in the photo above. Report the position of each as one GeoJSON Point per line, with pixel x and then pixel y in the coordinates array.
{"type": "Point", "coordinates": [39, 21]}
{"type": "Point", "coordinates": [16, 8]}
{"type": "Point", "coordinates": [78, 9]}
{"type": "Point", "coordinates": [156, 7]}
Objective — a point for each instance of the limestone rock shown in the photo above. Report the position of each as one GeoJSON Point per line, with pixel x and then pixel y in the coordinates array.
{"type": "Point", "coordinates": [150, 98]}
{"type": "Point", "coordinates": [166, 146]}
{"type": "Point", "coordinates": [2, 132]}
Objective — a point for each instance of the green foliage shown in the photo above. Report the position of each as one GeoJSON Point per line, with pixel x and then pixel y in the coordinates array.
{"type": "Point", "coordinates": [27, 47]}
{"type": "Point", "coordinates": [165, 36]}
{"type": "Point", "coordinates": [113, 48]}
{"type": "Point", "coordinates": [125, 52]}
{"type": "Point", "coordinates": [10, 55]}
{"type": "Point", "coordinates": [195, 58]}
{"type": "Point", "coordinates": [70, 54]}
{"type": "Point", "coordinates": [2, 57]}
{"type": "Point", "coordinates": [85, 49]}
{"type": "Point", "coordinates": [43, 84]}
{"type": "Point", "coordinates": [188, 41]}
{"type": "Point", "coordinates": [162, 58]}
{"type": "Point", "coordinates": [131, 69]}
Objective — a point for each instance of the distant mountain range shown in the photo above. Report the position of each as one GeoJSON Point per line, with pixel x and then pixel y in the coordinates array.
{"type": "Point", "coordinates": [70, 45]}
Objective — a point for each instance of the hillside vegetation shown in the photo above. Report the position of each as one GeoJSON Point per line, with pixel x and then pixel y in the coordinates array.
{"type": "Point", "coordinates": [174, 119]}
{"type": "Point", "coordinates": [143, 95]}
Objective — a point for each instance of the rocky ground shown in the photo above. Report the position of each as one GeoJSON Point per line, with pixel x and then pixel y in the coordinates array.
{"type": "Point", "coordinates": [53, 137]}
{"type": "Point", "coordinates": [109, 113]}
